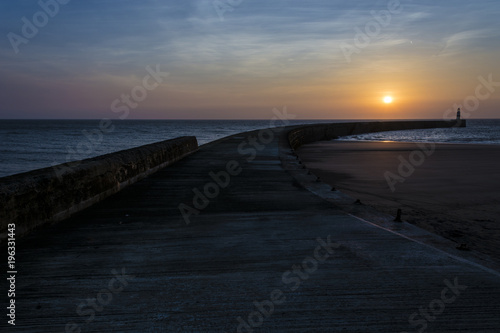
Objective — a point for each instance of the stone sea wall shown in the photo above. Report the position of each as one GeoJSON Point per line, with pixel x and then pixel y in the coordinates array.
{"type": "Point", "coordinates": [52, 194]}
{"type": "Point", "coordinates": [319, 132]}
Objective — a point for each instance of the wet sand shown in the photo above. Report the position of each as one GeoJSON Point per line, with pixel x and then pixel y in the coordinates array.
{"type": "Point", "coordinates": [454, 190]}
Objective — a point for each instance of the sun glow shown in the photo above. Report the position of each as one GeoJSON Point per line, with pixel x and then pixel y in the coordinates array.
{"type": "Point", "coordinates": [387, 99]}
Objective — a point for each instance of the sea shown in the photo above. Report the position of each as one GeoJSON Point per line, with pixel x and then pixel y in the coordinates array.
{"type": "Point", "coordinates": [27, 145]}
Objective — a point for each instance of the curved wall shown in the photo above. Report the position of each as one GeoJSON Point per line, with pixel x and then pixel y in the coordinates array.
{"type": "Point", "coordinates": [311, 133]}
{"type": "Point", "coordinates": [52, 194]}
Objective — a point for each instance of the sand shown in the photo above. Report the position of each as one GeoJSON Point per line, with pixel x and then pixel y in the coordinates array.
{"type": "Point", "coordinates": [451, 190]}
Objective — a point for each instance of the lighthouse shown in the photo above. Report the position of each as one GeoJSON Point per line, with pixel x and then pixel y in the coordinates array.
{"type": "Point", "coordinates": [458, 114]}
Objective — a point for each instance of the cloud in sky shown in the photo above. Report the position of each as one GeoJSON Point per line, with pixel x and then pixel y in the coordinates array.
{"type": "Point", "coordinates": [262, 54]}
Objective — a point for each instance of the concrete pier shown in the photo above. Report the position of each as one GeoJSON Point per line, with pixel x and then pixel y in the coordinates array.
{"type": "Point", "coordinates": [53, 194]}
{"type": "Point", "coordinates": [227, 240]}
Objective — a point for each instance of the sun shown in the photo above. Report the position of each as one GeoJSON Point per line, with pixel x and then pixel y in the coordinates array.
{"type": "Point", "coordinates": [387, 99]}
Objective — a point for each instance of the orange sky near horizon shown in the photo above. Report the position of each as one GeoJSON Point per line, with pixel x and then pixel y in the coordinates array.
{"type": "Point", "coordinates": [428, 58]}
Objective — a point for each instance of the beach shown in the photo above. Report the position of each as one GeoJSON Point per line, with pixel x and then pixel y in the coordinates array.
{"type": "Point", "coordinates": [227, 240]}
{"type": "Point", "coordinates": [449, 189]}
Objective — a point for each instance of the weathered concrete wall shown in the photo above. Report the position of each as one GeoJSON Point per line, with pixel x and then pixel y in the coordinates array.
{"type": "Point", "coordinates": [311, 133]}
{"type": "Point", "coordinates": [52, 194]}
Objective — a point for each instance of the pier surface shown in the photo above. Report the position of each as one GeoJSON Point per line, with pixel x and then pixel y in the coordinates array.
{"type": "Point", "coordinates": [254, 257]}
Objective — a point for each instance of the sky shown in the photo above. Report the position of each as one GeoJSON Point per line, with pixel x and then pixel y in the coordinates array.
{"type": "Point", "coordinates": [239, 59]}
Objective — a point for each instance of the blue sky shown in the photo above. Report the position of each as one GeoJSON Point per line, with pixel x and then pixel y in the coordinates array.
{"type": "Point", "coordinates": [262, 54]}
